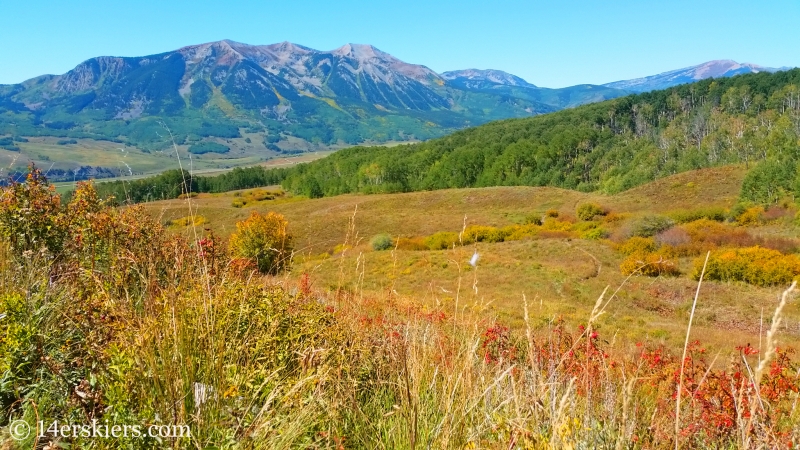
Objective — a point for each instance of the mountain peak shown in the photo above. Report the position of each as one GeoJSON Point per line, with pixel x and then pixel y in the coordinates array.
{"type": "Point", "coordinates": [360, 51]}
{"type": "Point", "coordinates": [718, 68]}
{"type": "Point", "coordinates": [489, 76]}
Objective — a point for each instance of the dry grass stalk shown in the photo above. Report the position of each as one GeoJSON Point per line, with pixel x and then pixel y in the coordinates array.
{"type": "Point", "coordinates": [683, 358]}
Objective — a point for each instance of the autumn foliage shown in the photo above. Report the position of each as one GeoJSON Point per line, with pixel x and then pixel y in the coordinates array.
{"type": "Point", "coordinates": [265, 240]}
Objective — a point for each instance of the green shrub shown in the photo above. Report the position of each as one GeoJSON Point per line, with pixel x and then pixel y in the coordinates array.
{"type": "Point", "coordinates": [208, 147]}
{"type": "Point", "coordinates": [441, 240]}
{"type": "Point", "coordinates": [533, 219]}
{"type": "Point", "coordinates": [588, 211]}
{"type": "Point", "coordinates": [594, 234]}
{"type": "Point", "coordinates": [686, 216]}
{"type": "Point", "coordinates": [650, 225]}
{"type": "Point", "coordinates": [381, 242]}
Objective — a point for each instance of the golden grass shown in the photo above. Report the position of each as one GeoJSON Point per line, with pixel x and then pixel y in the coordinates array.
{"type": "Point", "coordinates": [562, 274]}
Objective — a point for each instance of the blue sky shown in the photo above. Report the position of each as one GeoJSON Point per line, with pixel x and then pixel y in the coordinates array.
{"type": "Point", "coordinates": [550, 44]}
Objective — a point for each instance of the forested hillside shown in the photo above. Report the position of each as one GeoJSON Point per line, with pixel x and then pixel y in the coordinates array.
{"type": "Point", "coordinates": [611, 146]}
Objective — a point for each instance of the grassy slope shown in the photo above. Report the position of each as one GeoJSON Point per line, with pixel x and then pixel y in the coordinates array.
{"type": "Point", "coordinates": [559, 277]}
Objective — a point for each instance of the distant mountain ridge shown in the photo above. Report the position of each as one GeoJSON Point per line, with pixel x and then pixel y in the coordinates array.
{"type": "Point", "coordinates": [479, 79]}
{"type": "Point", "coordinates": [285, 92]}
{"type": "Point", "coordinates": [710, 69]}
{"type": "Point", "coordinates": [288, 97]}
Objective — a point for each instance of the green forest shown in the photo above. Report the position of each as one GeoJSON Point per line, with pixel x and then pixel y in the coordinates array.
{"type": "Point", "coordinates": [612, 146]}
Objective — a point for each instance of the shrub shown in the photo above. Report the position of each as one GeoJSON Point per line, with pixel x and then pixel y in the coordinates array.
{"type": "Point", "coordinates": [716, 214]}
{"type": "Point", "coordinates": [614, 217]}
{"type": "Point", "coordinates": [595, 234]}
{"type": "Point", "coordinates": [588, 211]}
{"type": "Point", "coordinates": [551, 213]}
{"type": "Point", "coordinates": [196, 220]}
{"type": "Point", "coordinates": [637, 244]}
{"type": "Point", "coordinates": [518, 232]}
{"type": "Point", "coordinates": [649, 264]}
{"type": "Point", "coordinates": [751, 216]}
{"type": "Point", "coordinates": [414, 244]}
{"type": "Point", "coordinates": [208, 147]}
{"type": "Point", "coordinates": [480, 233]}
{"type": "Point", "coordinates": [775, 212]}
{"type": "Point", "coordinates": [557, 225]}
{"type": "Point", "coordinates": [441, 240]}
{"type": "Point", "coordinates": [674, 237]}
{"type": "Point", "coordinates": [381, 242]}
{"type": "Point", "coordinates": [753, 265]}
{"type": "Point", "coordinates": [533, 219]}
{"type": "Point", "coordinates": [265, 240]}
{"type": "Point", "coordinates": [650, 225]}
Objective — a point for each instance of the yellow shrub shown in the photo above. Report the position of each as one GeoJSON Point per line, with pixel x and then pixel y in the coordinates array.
{"type": "Point", "coordinates": [263, 239]}
{"type": "Point", "coordinates": [441, 240]}
{"type": "Point", "coordinates": [187, 221]}
{"type": "Point", "coordinates": [751, 216]}
{"type": "Point", "coordinates": [556, 225]}
{"type": "Point", "coordinates": [480, 233]}
{"type": "Point", "coordinates": [637, 244]}
{"type": "Point", "coordinates": [519, 232]}
{"type": "Point", "coordinates": [753, 265]}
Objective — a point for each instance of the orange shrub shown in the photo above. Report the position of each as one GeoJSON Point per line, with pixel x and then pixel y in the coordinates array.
{"type": "Point", "coordinates": [551, 213]}
{"type": "Point", "coordinates": [614, 217]}
{"type": "Point", "coordinates": [753, 265]}
{"type": "Point", "coordinates": [413, 243]}
{"type": "Point", "coordinates": [649, 264]}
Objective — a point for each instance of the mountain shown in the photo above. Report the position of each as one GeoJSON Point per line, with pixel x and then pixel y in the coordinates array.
{"type": "Point", "coordinates": [711, 69]}
{"type": "Point", "coordinates": [280, 94]}
{"type": "Point", "coordinates": [499, 82]}
{"type": "Point", "coordinates": [219, 90]}
{"type": "Point", "coordinates": [482, 79]}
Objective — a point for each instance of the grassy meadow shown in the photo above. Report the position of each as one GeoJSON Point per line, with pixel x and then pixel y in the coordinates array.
{"type": "Point", "coordinates": [560, 276]}
{"type": "Point", "coordinates": [157, 315]}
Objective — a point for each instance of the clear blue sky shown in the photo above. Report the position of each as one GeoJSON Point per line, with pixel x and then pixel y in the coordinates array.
{"type": "Point", "coordinates": [550, 44]}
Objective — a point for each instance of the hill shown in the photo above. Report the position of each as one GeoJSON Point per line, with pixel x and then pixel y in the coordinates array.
{"type": "Point", "coordinates": [611, 146]}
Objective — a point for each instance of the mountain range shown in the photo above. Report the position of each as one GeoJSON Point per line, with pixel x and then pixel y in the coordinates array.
{"type": "Point", "coordinates": [288, 94]}
{"type": "Point", "coordinates": [712, 69]}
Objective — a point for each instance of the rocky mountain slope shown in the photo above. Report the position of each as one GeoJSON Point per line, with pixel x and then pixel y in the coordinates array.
{"type": "Point", "coordinates": [282, 92]}
{"type": "Point", "coordinates": [711, 69]}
